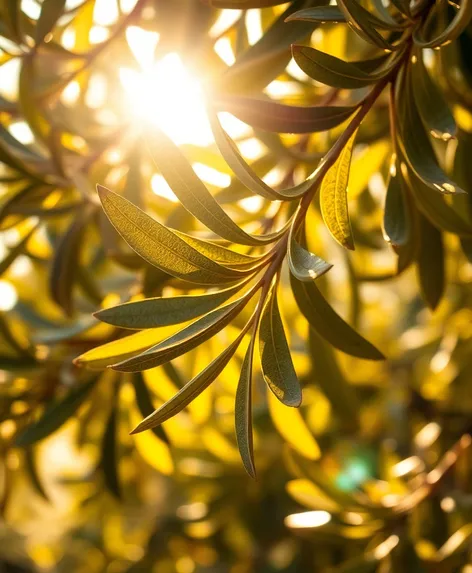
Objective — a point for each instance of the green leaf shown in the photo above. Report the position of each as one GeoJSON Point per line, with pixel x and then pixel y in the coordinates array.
{"type": "Point", "coordinates": [244, 172]}
{"type": "Point", "coordinates": [363, 22]}
{"type": "Point", "coordinates": [319, 14]}
{"type": "Point", "coordinates": [191, 390]}
{"type": "Point", "coordinates": [243, 412]}
{"type": "Point", "coordinates": [417, 147]}
{"type": "Point", "coordinates": [330, 70]}
{"type": "Point", "coordinates": [268, 57]}
{"type": "Point", "coordinates": [277, 117]}
{"type": "Point", "coordinates": [160, 246]}
{"type": "Point", "coordinates": [51, 11]}
{"type": "Point", "coordinates": [430, 101]}
{"type": "Point", "coordinates": [109, 455]}
{"type": "Point", "coordinates": [304, 266]}
{"type": "Point", "coordinates": [192, 193]}
{"type": "Point", "coordinates": [144, 403]}
{"type": "Point", "coordinates": [155, 312]}
{"type": "Point", "coordinates": [435, 207]}
{"type": "Point", "coordinates": [328, 324]}
{"type": "Point", "coordinates": [184, 340]}
{"type": "Point", "coordinates": [431, 271]}
{"type": "Point", "coordinates": [277, 366]}
{"type": "Point", "coordinates": [454, 29]}
{"type": "Point", "coordinates": [56, 414]}
{"type": "Point", "coordinates": [329, 377]}
{"type": "Point", "coordinates": [333, 197]}
{"type": "Point", "coordinates": [396, 221]}
{"type": "Point", "coordinates": [32, 471]}
{"type": "Point", "coordinates": [67, 260]}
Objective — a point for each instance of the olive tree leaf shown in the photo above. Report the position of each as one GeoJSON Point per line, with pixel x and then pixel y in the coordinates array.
{"type": "Point", "coordinates": [431, 267]}
{"type": "Point", "coordinates": [184, 340]}
{"type": "Point", "coordinates": [277, 366]}
{"type": "Point", "coordinates": [328, 324]}
{"type": "Point", "coordinates": [453, 30]}
{"type": "Point", "coordinates": [144, 403]}
{"type": "Point", "coordinates": [245, 173]}
{"type": "Point", "coordinates": [31, 468]}
{"type": "Point", "coordinates": [304, 266]}
{"type": "Point", "coordinates": [333, 197]}
{"type": "Point", "coordinates": [192, 193]}
{"type": "Point", "coordinates": [268, 57]}
{"type": "Point", "coordinates": [360, 20]}
{"type": "Point", "coordinates": [330, 70]}
{"type": "Point", "coordinates": [51, 11]}
{"type": "Point", "coordinates": [56, 414]}
{"type": "Point", "coordinates": [160, 246]}
{"type": "Point", "coordinates": [160, 311]}
{"type": "Point", "coordinates": [416, 145]}
{"type": "Point", "coordinates": [435, 207]}
{"type": "Point", "coordinates": [292, 427]}
{"type": "Point", "coordinates": [277, 117]}
{"type": "Point", "coordinates": [243, 411]}
{"type": "Point", "coordinates": [319, 14]}
{"type": "Point", "coordinates": [396, 221]}
{"type": "Point", "coordinates": [430, 101]}
{"type": "Point", "coordinates": [191, 390]}
{"type": "Point", "coordinates": [329, 377]}
{"type": "Point", "coordinates": [109, 455]}
{"type": "Point", "coordinates": [66, 260]}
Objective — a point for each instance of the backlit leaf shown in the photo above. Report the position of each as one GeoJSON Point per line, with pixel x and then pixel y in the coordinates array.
{"type": "Point", "coordinates": [56, 414]}
{"type": "Point", "coordinates": [431, 270]}
{"type": "Point", "coordinates": [155, 312]}
{"type": "Point", "coordinates": [161, 247]}
{"type": "Point", "coordinates": [328, 324]}
{"type": "Point", "coordinates": [191, 390]}
{"type": "Point", "coordinates": [333, 197]}
{"type": "Point", "coordinates": [277, 366]}
{"type": "Point", "coordinates": [243, 412]}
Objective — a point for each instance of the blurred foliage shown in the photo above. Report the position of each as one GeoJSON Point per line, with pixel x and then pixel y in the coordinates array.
{"type": "Point", "coordinates": [273, 197]}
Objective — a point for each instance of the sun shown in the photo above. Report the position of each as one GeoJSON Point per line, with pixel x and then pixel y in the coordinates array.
{"type": "Point", "coordinates": [164, 93]}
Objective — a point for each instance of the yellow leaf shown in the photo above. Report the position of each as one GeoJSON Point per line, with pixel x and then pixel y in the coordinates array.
{"type": "Point", "coordinates": [333, 197]}
{"type": "Point", "coordinates": [292, 427]}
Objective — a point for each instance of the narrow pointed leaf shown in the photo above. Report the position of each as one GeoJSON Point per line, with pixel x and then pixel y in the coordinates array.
{"type": "Point", "coordinates": [319, 14]}
{"type": "Point", "coordinates": [304, 266]}
{"type": "Point", "coordinates": [277, 366]}
{"type": "Point", "coordinates": [431, 271]}
{"type": "Point", "coordinates": [159, 246]}
{"type": "Point", "coordinates": [243, 412]}
{"type": "Point", "coordinates": [192, 193]}
{"type": "Point", "coordinates": [333, 197]}
{"type": "Point", "coordinates": [67, 259]}
{"type": "Point", "coordinates": [329, 377]}
{"type": "Point", "coordinates": [109, 454]}
{"type": "Point", "coordinates": [330, 70]}
{"type": "Point", "coordinates": [185, 339]}
{"type": "Point", "coordinates": [329, 325]}
{"type": "Point", "coordinates": [430, 102]}
{"type": "Point", "coordinates": [417, 147]}
{"type": "Point", "coordinates": [155, 312]}
{"type": "Point", "coordinates": [56, 414]}
{"type": "Point", "coordinates": [33, 474]}
{"type": "Point", "coordinates": [144, 403]}
{"type": "Point", "coordinates": [277, 117]}
{"type": "Point", "coordinates": [293, 428]}
{"type": "Point", "coordinates": [396, 222]}
{"type": "Point", "coordinates": [190, 391]}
